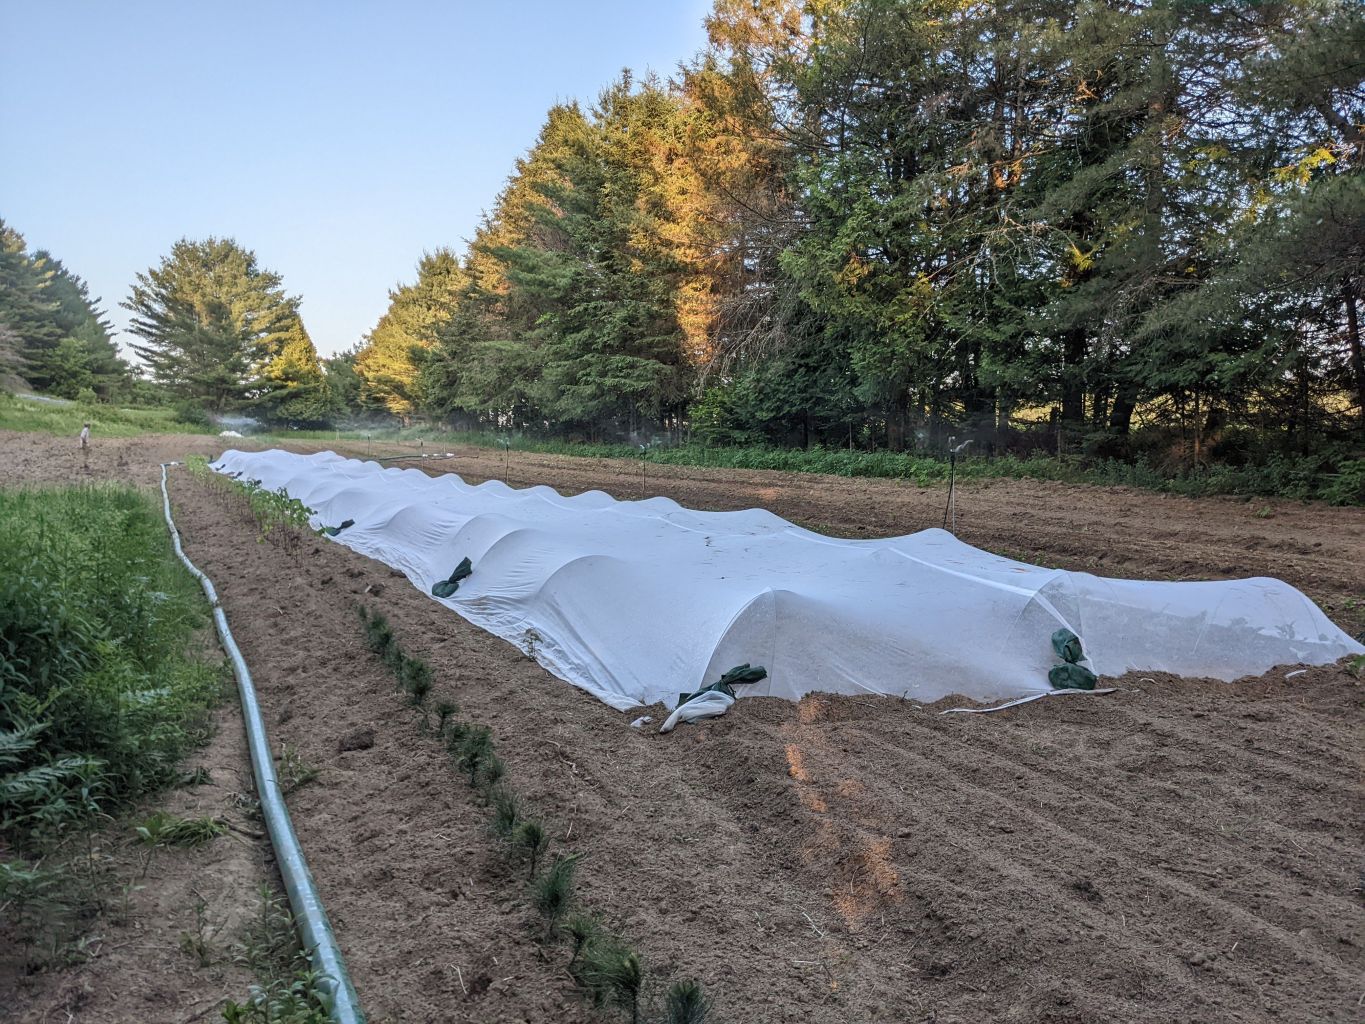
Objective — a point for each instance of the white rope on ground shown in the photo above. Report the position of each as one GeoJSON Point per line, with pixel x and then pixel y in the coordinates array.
{"type": "Point", "coordinates": [315, 931]}
{"type": "Point", "coordinates": [1023, 700]}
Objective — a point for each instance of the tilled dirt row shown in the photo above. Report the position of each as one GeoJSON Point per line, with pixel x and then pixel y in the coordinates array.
{"type": "Point", "coordinates": [1176, 851]}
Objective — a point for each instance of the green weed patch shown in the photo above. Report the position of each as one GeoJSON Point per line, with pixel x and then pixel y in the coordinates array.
{"type": "Point", "coordinates": [99, 697]}
{"type": "Point", "coordinates": [25, 414]}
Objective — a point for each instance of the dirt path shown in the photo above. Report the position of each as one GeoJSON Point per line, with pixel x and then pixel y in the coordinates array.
{"type": "Point", "coordinates": [1178, 851]}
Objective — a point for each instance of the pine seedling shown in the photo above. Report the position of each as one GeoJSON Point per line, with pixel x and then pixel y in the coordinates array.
{"type": "Point", "coordinates": [581, 929]}
{"type": "Point", "coordinates": [416, 677]}
{"type": "Point", "coordinates": [531, 837]}
{"type": "Point", "coordinates": [444, 709]}
{"type": "Point", "coordinates": [554, 891]}
{"type": "Point", "coordinates": [474, 750]}
{"type": "Point", "coordinates": [686, 1003]}
{"type": "Point", "coordinates": [616, 973]}
{"type": "Point", "coordinates": [455, 736]}
{"type": "Point", "coordinates": [506, 812]}
{"type": "Point", "coordinates": [378, 635]}
{"type": "Point", "coordinates": [611, 971]}
{"type": "Point", "coordinates": [491, 772]}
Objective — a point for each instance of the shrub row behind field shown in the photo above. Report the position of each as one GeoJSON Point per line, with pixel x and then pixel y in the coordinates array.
{"type": "Point", "coordinates": [25, 414]}
{"type": "Point", "coordinates": [1320, 477]}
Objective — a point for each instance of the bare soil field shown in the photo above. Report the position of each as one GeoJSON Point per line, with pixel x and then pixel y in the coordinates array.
{"type": "Point", "coordinates": [1179, 850]}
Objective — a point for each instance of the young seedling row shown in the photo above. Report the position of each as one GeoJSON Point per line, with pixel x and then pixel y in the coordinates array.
{"type": "Point", "coordinates": [608, 970]}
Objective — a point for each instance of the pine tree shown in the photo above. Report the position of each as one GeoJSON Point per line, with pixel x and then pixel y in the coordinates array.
{"type": "Point", "coordinates": [212, 321]}
{"type": "Point", "coordinates": [93, 355]}
{"type": "Point", "coordinates": [389, 361]}
{"type": "Point", "coordinates": [294, 389]}
{"type": "Point", "coordinates": [605, 324]}
{"type": "Point", "coordinates": [27, 310]}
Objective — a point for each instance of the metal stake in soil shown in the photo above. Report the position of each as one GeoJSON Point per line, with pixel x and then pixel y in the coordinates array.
{"type": "Point", "coordinates": [950, 510]}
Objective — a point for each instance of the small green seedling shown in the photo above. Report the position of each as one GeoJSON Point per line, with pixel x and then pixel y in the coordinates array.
{"type": "Point", "coordinates": [613, 971]}
{"type": "Point", "coordinates": [378, 633]}
{"type": "Point", "coordinates": [686, 1003]}
{"type": "Point", "coordinates": [531, 838]}
{"type": "Point", "coordinates": [415, 677]}
{"type": "Point", "coordinates": [199, 943]}
{"type": "Point", "coordinates": [475, 749]}
{"type": "Point", "coordinates": [444, 710]}
{"type": "Point", "coordinates": [554, 892]}
{"type": "Point", "coordinates": [164, 829]}
{"type": "Point", "coordinates": [295, 772]}
{"type": "Point", "coordinates": [491, 772]}
{"type": "Point", "coordinates": [506, 812]}
{"type": "Point", "coordinates": [581, 929]}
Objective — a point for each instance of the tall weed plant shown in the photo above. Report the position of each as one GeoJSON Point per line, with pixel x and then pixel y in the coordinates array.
{"type": "Point", "coordinates": [100, 693]}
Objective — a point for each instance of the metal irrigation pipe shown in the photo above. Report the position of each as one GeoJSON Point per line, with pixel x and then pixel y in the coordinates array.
{"type": "Point", "coordinates": [315, 931]}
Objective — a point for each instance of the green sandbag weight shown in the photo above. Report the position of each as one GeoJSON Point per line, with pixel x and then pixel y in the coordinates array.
{"type": "Point", "coordinates": [1071, 677]}
{"type": "Point", "coordinates": [451, 584]}
{"type": "Point", "coordinates": [737, 676]}
{"type": "Point", "coordinates": [1067, 645]}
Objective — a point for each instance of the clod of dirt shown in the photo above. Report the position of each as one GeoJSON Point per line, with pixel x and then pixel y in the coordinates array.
{"type": "Point", "coordinates": [359, 739]}
{"type": "Point", "coordinates": [478, 985]}
{"type": "Point", "coordinates": [1087, 889]}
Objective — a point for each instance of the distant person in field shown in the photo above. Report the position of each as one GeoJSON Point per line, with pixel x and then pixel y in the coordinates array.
{"type": "Point", "coordinates": [85, 445]}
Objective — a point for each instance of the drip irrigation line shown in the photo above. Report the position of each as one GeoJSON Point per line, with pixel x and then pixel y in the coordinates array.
{"type": "Point", "coordinates": [315, 931]}
{"type": "Point", "coordinates": [1024, 700]}
{"type": "Point", "coordinates": [415, 455]}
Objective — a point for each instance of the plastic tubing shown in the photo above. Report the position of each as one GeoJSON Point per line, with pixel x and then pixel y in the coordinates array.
{"type": "Point", "coordinates": [315, 930]}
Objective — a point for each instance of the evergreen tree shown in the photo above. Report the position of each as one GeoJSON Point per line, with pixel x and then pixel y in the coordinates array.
{"type": "Point", "coordinates": [343, 384]}
{"type": "Point", "coordinates": [27, 311]}
{"type": "Point", "coordinates": [93, 356]}
{"type": "Point", "coordinates": [212, 323]}
{"type": "Point", "coordinates": [610, 343]}
{"type": "Point", "coordinates": [294, 388]}
{"type": "Point", "coordinates": [389, 361]}
{"type": "Point", "coordinates": [883, 222]}
{"type": "Point", "coordinates": [58, 338]}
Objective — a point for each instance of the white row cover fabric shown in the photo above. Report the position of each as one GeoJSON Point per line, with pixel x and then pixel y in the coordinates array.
{"type": "Point", "coordinates": [639, 601]}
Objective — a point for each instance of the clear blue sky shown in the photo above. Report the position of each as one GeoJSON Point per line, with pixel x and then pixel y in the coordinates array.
{"type": "Point", "coordinates": [337, 139]}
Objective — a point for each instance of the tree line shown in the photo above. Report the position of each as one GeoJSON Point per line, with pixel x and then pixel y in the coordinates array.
{"type": "Point", "coordinates": [1120, 227]}
{"type": "Point", "coordinates": [52, 332]}
{"type": "Point", "coordinates": [878, 222]}
{"type": "Point", "coordinates": [216, 333]}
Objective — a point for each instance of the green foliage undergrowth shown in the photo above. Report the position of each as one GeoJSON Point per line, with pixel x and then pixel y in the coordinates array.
{"type": "Point", "coordinates": [100, 695]}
